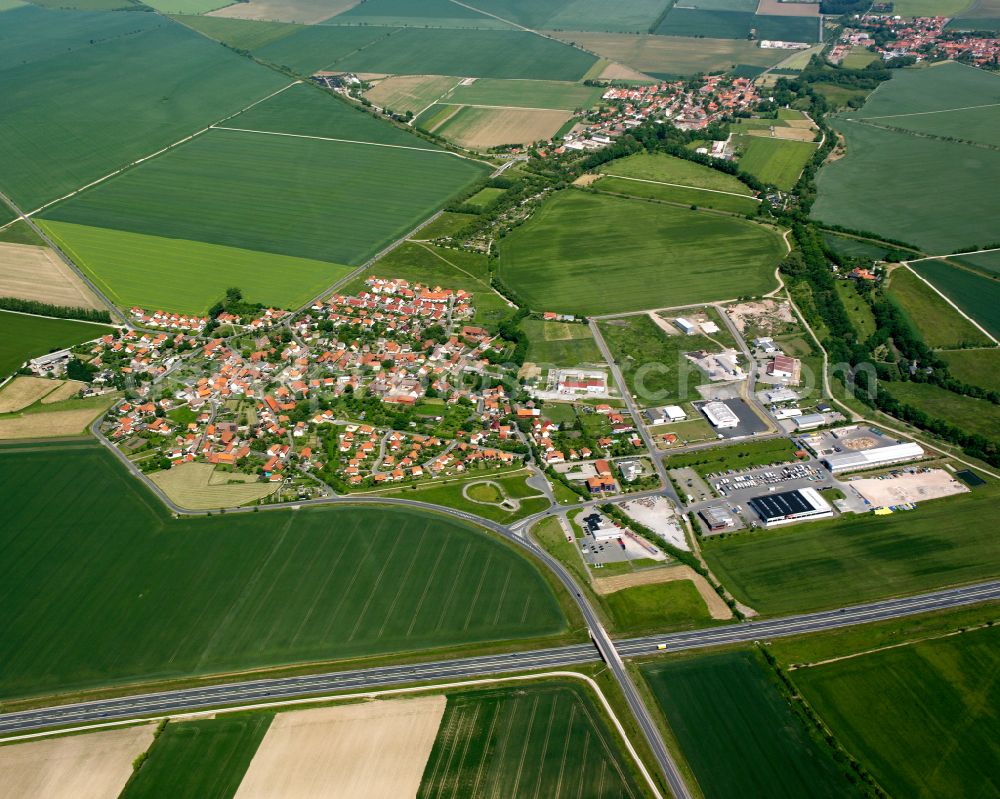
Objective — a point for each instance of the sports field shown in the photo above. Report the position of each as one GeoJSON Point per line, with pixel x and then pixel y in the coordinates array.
{"type": "Point", "coordinates": [857, 558]}
{"type": "Point", "coordinates": [775, 161]}
{"type": "Point", "coordinates": [737, 731]}
{"type": "Point", "coordinates": [922, 717]}
{"type": "Point", "coordinates": [165, 598]}
{"type": "Point", "coordinates": [976, 367]}
{"type": "Point", "coordinates": [969, 413]}
{"type": "Point", "coordinates": [975, 293]}
{"type": "Point", "coordinates": [938, 323]}
{"type": "Point", "coordinates": [59, 135]}
{"type": "Point", "coordinates": [205, 758]}
{"type": "Point", "coordinates": [23, 337]}
{"type": "Point", "coordinates": [647, 254]}
{"type": "Point", "coordinates": [547, 739]}
{"type": "Point", "coordinates": [190, 276]}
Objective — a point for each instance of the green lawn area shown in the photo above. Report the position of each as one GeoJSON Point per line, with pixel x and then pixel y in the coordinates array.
{"type": "Point", "coordinates": [736, 456]}
{"type": "Point", "coordinates": [484, 198]}
{"type": "Point", "coordinates": [448, 224]}
{"type": "Point", "coordinates": [976, 293]}
{"type": "Point", "coordinates": [978, 367]}
{"type": "Point", "coordinates": [923, 717]}
{"type": "Point", "coordinates": [205, 758]}
{"type": "Point", "coordinates": [23, 337]}
{"type": "Point", "coordinates": [560, 343]}
{"type": "Point", "coordinates": [670, 169]}
{"type": "Point", "coordinates": [141, 82]}
{"type": "Point", "coordinates": [858, 310]}
{"type": "Point", "coordinates": [838, 96]}
{"type": "Point", "coordinates": [775, 161]}
{"type": "Point", "coordinates": [657, 607]}
{"type": "Point", "coordinates": [969, 413]}
{"type": "Point", "coordinates": [190, 276]}
{"type": "Point", "coordinates": [858, 558]}
{"type": "Point", "coordinates": [560, 95]}
{"type": "Point", "coordinates": [450, 494]}
{"type": "Point", "coordinates": [536, 739]}
{"type": "Point", "coordinates": [646, 254]}
{"type": "Point", "coordinates": [938, 323]}
{"type": "Point", "coordinates": [738, 732]}
{"type": "Point", "coordinates": [133, 595]}
{"type": "Point", "coordinates": [859, 58]}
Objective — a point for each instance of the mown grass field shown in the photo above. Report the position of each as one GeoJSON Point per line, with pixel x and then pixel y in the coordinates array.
{"type": "Point", "coordinates": [648, 255]}
{"type": "Point", "coordinates": [975, 293]}
{"type": "Point", "coordinates": [670, 169]}
{"type": "Point", "coordinates": [324, 200]}
{"type": "Point", "coordinates": [969, 413]}
{"type": "Point", "coordinates": [558, 95]}
{"type": "Point", "coordinates": [452, 495]}
{"type": "Point", "coordinates": [737, 731]}
{"type": "Point", "coordinates": [923, 717]}
{"type": "Point", "coordinates": [547, 739]}
{"type": "Point", "coordinates": [680, 195]}
{"type": "Point", "coordinates": [144, 83]}
{"type": "Point", "coordinates": [658, 607]}
{"type": "Point", "coordinates": [737, 456]}
{"type": "Point", "coordinates": [938, 323]}
{"type": "Point", "coordinates": [560, 343]}
{"type": "Point", "coordinates": [977, 367]}
{"type": "Point", "coordinates": [857, 558]}
{"type": "Point", "coordinates": [23, 337]}
{"type": "Point", "coordinates": [205, 758]}
{"type": "Point", "coordinates": [190, 276]}
{"type": "Point", "coordinates": [131, 595]}
{"type": "Point", "coordinates": [775, 161]}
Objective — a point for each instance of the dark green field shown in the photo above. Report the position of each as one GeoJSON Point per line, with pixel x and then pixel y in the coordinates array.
{"type": "Point", "coordinates": [124, 593]}
{"type": "Point", "coordinates": [426, 13]}
{"type": "Point", "coordinates": [973, 414]}
{"type": "Point", "coordinates": [144, 83]}
{"type": "Point", "coordinates": [976, 293]}
{"type": "Point", "coordinates": [923, 717]}
{"type": "Point", "coordinates": [938, 323]}
{"type": "Point", "coordinates": [725, 24]}
{"type": "Point", "coordinates": [577, 15]}
{"type": "Point", "coordinates": [857, 558]}
{"type": "Point", "coordinates": [977, 367]}
{"type": "Point", "coordinates": [203, 759]}
{"type": "Point", "coordinates": [592, 254]}
{"type": "Point", "coordinates": [539, 740]}
{"type": "Point", "coordinates": [23, 337]}
{"type": "Point", "coordinates": [737, 731]}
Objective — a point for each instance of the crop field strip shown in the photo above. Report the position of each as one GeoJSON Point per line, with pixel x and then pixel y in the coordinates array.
{"type": "Point", "coordinates": [938, 323]}
{"type": "Point", "coordinates": [160, 598]}
{"type": "Point", "coordinates": [547, 739]}
{"type": "Point", "coordinates": [426, 13]}
{"type": "Point", "coordinates": [23, 337]}
{"type": "Point", "coordinates": [653, 254]}
{"type": "Point", "coordinates": [976, 293]}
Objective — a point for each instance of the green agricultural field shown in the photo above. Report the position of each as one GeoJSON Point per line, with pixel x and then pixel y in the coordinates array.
{"type": "Point", "coordinates": [538, 739]}
{"type": "Point", "coordinates": [647, 609]}
{"type": "Point", "coordinates": [406, 13]}
{"type": "Point", "coordinates": [526, 94]}
{"type": "Point", "coordinates": [859, 58]}
{"type": "Point", "coordinates": [412, 93]}
{"type": "Point", "coordinates": [705, 22]}
{"type": "Point", "coordinates": [324, 200]}
{"type": "Point", "coordinates": [840, 96]}
{"type": "Point", "coordinates": [560, 343]}
{"type": "Point", "coordinates": [922, 717]}
{"type": "Point", "coordinates": [165, 598]}
{"type": "Point", "coordinates": [190, 276]}
{"type": "Point", "coordinates": [854, 248]}
{"type": "Point", "coordinates": [577, 15]}
{"type": "Point", "coordinates": [205, 759]}
{"type": "Point", "coordinates": [23, 337]}
{"type": "Point", "coordinates": [738, 732]}
{"type": "Point", "coordinates": [310, 48]}
{"type": "Point", "coordinates": [930, 8]}
{"type": "Point", "coordinates": [975, 293]}
{"type": "Point", "coordinates": [736, 456]}
{"type": "Point", "coordinates": [969, 413]}
{"type": "Point", "coordinates": [187, 6]}
{"type": "Point", "coordinates": [670, 169]}
{"type": "Point", "coordinates": [679, 195]}
{"type": "Point", "coordinates": [858, 558]}
{"type": "Point", "coordinates": [976, 367]}
{"type": "Point", "coordinates": [938, 323]}
{"type": "Point", "coordinates": [7, 5]}
{"type": "Point", "coordinates": [981, 261]}
{"type": "Point", "coordinates": [21, 233]}
{"type": "Point", "coordinates": [775, 161]}
{"type": "Point", "coordinates": [484, 198]}
{"type": "Point", "coordinates": [59, 135]}
{"type": "Point", "coordinates": [646, 254]}
{"type": "Point", "coordinates": [241, 34]}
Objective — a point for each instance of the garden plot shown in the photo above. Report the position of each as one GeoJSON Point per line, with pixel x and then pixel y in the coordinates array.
{"type": "Point", "coordinates": [899, 489]}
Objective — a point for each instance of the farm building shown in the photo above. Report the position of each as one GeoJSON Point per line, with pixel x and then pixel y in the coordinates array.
{"type": "Point", "coordinates": [869, 458]}
{"type": "Point", "coordinates": [720, 415]}
{"type": "Point", "coordinates": [790, 506]}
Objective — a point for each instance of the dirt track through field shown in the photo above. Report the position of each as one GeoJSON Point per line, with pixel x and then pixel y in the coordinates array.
{"type": "Point", "coordinates": [375, 750]}
{"type": "Point", "coordinates": [716, 607]}
{"type": "Point", "coordinates": [93, 766]}
{"type": "Point", "coordinates": [36, 273]}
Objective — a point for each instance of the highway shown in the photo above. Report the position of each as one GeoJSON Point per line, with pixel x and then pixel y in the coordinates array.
{"type": "Point", "coordinates": [185, 700]}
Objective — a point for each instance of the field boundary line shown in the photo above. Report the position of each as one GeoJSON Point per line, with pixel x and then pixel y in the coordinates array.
{"type": "Point", "coordinates": [682, 186]}
{"type": "Point", "coordinates": [950, 255]}
{"type": "Point", "coordinates": [60, 319]}
{"type": "Point", "coordinates": [442, 687]}
{"type": "Point", "coordinates": [445, 94]}
{"type": "Point", "coordinates": [925, 113]}
{"type": "Point", "coordinates": [887, 647]}
{"type": "Point", "coordinates": [948, 300]}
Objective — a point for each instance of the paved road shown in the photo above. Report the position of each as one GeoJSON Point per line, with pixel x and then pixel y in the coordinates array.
{"type": "Point", "coordinates": [464, 668]}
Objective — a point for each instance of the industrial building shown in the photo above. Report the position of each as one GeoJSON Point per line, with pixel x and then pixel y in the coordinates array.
{"type": "Point", "coordinates": [720, 415]}
{"type": "Point", "coordinates": [790, 506]}
{"type": "Point", "coordinates": [809, 421]}
{"type": "Point", "coordinates": [871, 458]}
{"type": "Point", "coordinates": [666, 414]}
{"type": "Point", "coordinates": [717, 518]}
{"type": "Point", "coordinates": [600, 528]}
{"type": "Point", "coordinates": [689, 328]}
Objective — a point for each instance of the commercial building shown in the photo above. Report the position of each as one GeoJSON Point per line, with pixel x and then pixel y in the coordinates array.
{"type": "Point", "coordinates": [785, 368]}
{"type": "Point", "coordinates": [600, 528]}
{"type": "Point", "coordinates": [720, 415]}
{"type": "Point", "coordinates": [666, 414]}
{"type": "Point", "coordinates": [716, 517]}
{"type": "Point", "coordinates": [790, 506]}
{"type": "Point", "coordinates": [809, 421]}
{"type": "Point", "coordinates": [787, 413]}
{"type": "Point", "coordinates": [871, 458]}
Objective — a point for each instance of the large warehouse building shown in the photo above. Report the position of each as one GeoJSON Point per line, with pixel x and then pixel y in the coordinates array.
{"type": "Point", "coordinates": [790, 506]}
{"type": "Point", "coordinates": [871, 458]}
{"type": "Point", "coordinates": [720, 415]}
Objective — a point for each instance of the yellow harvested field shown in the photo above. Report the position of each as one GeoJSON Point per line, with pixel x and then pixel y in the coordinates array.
{"type": "Point", "coordinates": [478, 127]}
{"type": "Point", "coordinates": [68, 390]}
{"type": "Point", "coordinates": [717, 609]}
{"type": "Point", "coordinates": [36, 273]}
{"type": "Point", "coordinates": [616, 71]}
{"type": "Point", "coordinates": [50, 424]}
{"type": "Point", "coordinates": [24, 391]}
{"type": "Point", "coordinates": [375, 750]}
{"type": "Point", "coordinates": [779, 9]}
{"type": "Point", "coordinates": [198, 486]}
{"type": "Point", "coordinates": [305, 11]}
{"type": "Point", "coordinates": [414, 93]}
{"type": "Point", "coordinates": [92, 766]}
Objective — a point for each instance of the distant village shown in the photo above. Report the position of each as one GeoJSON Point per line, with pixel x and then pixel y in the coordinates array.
{"type": "Point", "coordinates": [921, 37]}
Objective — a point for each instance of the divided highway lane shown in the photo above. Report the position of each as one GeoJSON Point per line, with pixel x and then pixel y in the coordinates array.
{"type": "Point", "coordinates": [363, 679]}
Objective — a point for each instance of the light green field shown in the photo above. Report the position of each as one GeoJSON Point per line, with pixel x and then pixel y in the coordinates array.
{"type": "Point", "coordinates": [560, 343]}
{"type": "Point", "coordinates": [859, 58]}
{"type": "Point", "coordinates": [976, 367]}
{"type": "Point", "coordinates": [775, 161]}
{"type": "Point", "coordinates": [405, 13]}
{"type": "Point", "coordinates": [930, 8]}
{"type": "Point", "coordinates": [7, 5]}
{"type": "Point", "coordinates": [448, 224]}
{"type": "Point", "coordinates": [938, 323]}
{"type": "Point", "coordinates": [969, 413]}
{"type": "Point", "coordinates": [414, 93]}
{"type": "Point", "coordinates": [923, 717]}
{"type": "Point", "coordinates": [647, 255]}
{"type": "Point", "coordinates": [135, 595]}
{"type": "Point", "coordinates": [242, 34]}
{"type": "Point", "coordinates": [680, 195]}
{"type": "Point", "coordinates": [577, 15]}
{"type": "Point", "coordinates": [557, 95]}
{"type": "Point", "coordinates": [484, 198]}
{"type": "Point", "coordinates": [190, 276]}
{"type": "Point", "coordinates": [187, 6]}
{"type": "Point", "coordinates": [657, 607]}
{"type": "Point", "coordinates": [669, 169]}
{"type": "Point", "coordinates": [23, 337]}
{"type": "Point", "coordinates": [858, 310]}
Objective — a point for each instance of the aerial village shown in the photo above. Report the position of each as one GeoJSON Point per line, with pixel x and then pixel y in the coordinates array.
{"type": "Point", "coordinates": [921, 37]}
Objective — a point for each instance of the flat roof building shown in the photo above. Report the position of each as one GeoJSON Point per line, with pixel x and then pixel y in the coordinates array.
{"type": "Point", "coordinates": [871, 458]}
{"type": "Point", "coordinates": [790, 506]}
{"type": "Point", "coordinates": [720, 415]}
{"type": "Point", "coordinates": [809, 421]}
{"type": "Point", "coordinates": [716, 517]}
